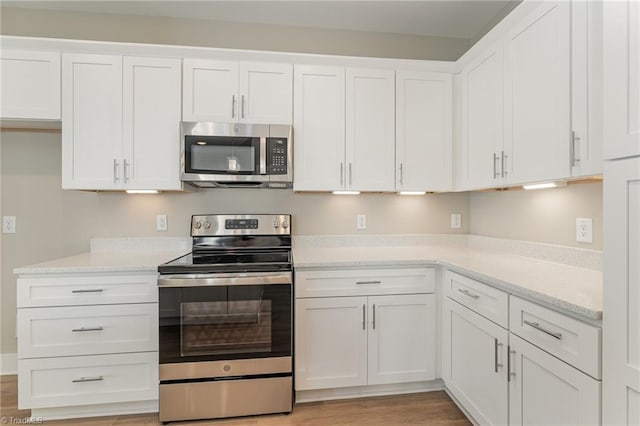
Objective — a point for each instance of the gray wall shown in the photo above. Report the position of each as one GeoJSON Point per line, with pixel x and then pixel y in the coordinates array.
{"type": "Point", "coordinates": [544, 215]}
{"type": "Point", "coordinates": [191, 32]}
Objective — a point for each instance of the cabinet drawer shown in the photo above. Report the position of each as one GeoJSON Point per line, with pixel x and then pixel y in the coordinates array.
{"type": "Point", "coordinates": [87, 330]}
{"type": "Point", "coordinates": [481, 298]}
{"type": "Point", "coordinates": [98, 379]}
{"type": "Point", "coordinates": [87, 290]}
{"type": "Point", "coordinates": [569, 339]}
{"type": "Point", "coordinates": [357, 282]}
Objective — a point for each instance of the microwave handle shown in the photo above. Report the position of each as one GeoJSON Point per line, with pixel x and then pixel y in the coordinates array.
{"type": "Point", "coordinates": [263, 155]}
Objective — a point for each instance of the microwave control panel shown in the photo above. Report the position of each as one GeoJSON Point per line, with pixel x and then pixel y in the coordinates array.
{"type": "Point", "coordinates": [277, 154]}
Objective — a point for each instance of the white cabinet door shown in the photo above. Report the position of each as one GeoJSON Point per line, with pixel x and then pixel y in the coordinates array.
{"type": "Point", "coordinates": [545, 391]}
{"type": "Point", "coordinates": [621, 324]}
{"type": "Point", "coordinates": [423, 131]}
{"type": "Point", "coordinates": [266, 93]}
{"type": "Point", "coordinates": [586, 88]}
{"type": "Point", "coordinates": [621, 78]}
{"type": "Point", "coordinates": [92, 122]}
{"type": "Point", "coordinates": [537, 64]}
{"type": "Point", "coordinates": [210, 90]}
{"type": "Point", "coordinates": [30, 84]}
{"type": "Point", "coordinates": [482, 120]}
{"type": "Point", "coordinates": [151, 90]}
{"type": "Point", "coordinates": [331, 342]}
{"type": "Point", "coordinates": [402, 338]}
{"type": "Point", "coordinates": [319, 128]}
{"type": "Point", "coordinates": [370, 130]}
{"type": "Point", "coordinates": [474, 363]}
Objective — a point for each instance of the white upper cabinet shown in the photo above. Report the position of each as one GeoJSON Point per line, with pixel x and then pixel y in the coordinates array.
{"type": "Point", "coordinates": [319, 127]}
{"type": "Point", "coordinates": [91, 121]}
{"type": "Point", "coordinates": [230, 91]}
{"type": "Point", "coordinates": [423, 131]}
{"type": "Point", "coordinates": [370, 130]}
{"type": "Point", "coordinates": [151, 112]}
{"type": "Point", "coordinates": [482, 121]}
{"type": "Point", "coordinates": [344, 125]}
{"type": "Point", "coordinates": [537, 93]}
{"type": "Point", "coordinates": [531, 101]}
{"type": "Point", "coordinates": [621, 34]}
{"type": "Point", "coordinates": [30, 85]}
{"type": "Point", "coordinates": [120, 122]}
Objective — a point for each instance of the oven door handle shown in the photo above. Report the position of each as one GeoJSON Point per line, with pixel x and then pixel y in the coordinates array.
{"type": "Point", "coordinates": [200, 280]}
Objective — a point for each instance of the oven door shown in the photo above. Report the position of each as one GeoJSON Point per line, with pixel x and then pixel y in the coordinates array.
{"type": "Point", "coordinates": [225, 317]}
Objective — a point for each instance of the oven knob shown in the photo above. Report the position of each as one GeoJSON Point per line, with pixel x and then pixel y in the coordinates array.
{"type": "Point", "coordinates": [276, 223]}
{"type": "Point", "coordinates": [207, 225]}
{"type": "Point", "coordinates": [226, 368]}
{"type": "Point", "coordinates": [197, 225]}
{"type": "Point", "coordinates": [285, 224]}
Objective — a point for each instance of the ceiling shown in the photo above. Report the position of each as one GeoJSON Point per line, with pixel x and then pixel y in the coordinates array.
{"type": "Point", "coordinates": [444, 18]}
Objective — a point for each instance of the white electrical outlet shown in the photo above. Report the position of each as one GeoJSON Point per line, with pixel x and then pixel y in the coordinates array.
{"type": "Point", "coordinates": [8, 224]}
{"type": "Point", "coordinates": [456, 220]}
{"type": "Point", "coordinates": [161, 222]}
{"type": "Point", "coordinates": [361, 221]}
{"type": "Point", "coordinates": [584, 230]}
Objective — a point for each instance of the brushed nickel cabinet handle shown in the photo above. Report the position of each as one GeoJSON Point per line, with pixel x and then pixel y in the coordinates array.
{"type": "Point", "coordinates": [126, 171]}
{"type": "Point", "coordinates": [350, 175]}
{"type": "Point", "coordinates": [401, 174]}
{"type": "Point", "coordinates": [88, 379]}
{"type": "Point", "coordinates": [87, 329]}
{"type": "Point", "coordinates": [574, 148]}
{"type": "Point", "coordinates": [369, 282]}
{"type": "Point", "coordinates": [374, 316]}
{"type": "Point", "coordinates": [341, 174]}
{"type": "Point", "coordinates": [233, 106]}
{"type": "Point", "coordinates": [469, 294]}
{"type": "Point", "coordinates": [495, 171]}
{"type": "Point", "coordinates": [242, 106]}
{"type": "Point", "coordinates": [496, 344]}
{"type": "Point", "coordinates": [364, 314]}
{"type": "Point", "coordinates": [503, 161]}
{"type": "Point", "coordinates": [537, 326]}
{"type": "Point", "coordinates": [509, 373]}
{"type": "Point", "coordinates": [88, 290]}
{"type": "Point", "coordinates": [115, 171]}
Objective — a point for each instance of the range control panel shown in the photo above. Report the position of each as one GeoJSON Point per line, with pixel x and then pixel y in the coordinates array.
{"type": "Point", "coordinates": [249, 224]}
{"type": "Point", "coordinates": [277, 153]}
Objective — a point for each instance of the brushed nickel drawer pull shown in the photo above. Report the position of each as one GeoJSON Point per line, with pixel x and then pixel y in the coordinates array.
{"type": "Point", "coordinates": [468, 293]}
{"type": "Point", "coordinates": [509, 373]}
{"type": "Point", "coordinates": [364, 313]}
{"type": "Point", "coordinates": [87, 329]}
{"type": "Point", "coordinates": [537, 326]}
{"type": "Point", "coordinates": [369, 282]}
{"type": "Point", "coordinates": [88, 290]}
{"type": "Point", "coordinates": [88, 379]}
{"type": "Point", "coordinates": [374, 316]}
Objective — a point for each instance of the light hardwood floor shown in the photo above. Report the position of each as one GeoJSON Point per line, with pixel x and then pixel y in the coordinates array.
{"type": "Point", "coordinates": [429, 408]}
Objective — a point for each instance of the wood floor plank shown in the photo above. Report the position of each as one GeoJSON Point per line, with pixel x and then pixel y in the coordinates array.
{"type": "Point", "coordinates": [427, 408]}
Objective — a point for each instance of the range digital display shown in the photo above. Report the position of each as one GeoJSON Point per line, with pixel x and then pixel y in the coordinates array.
{"type": "Point", "coordinates": [241, 224]}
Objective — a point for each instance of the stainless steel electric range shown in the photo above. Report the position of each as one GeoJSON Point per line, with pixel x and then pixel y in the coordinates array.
{"type": "Point", "coordinates": [226, 320]}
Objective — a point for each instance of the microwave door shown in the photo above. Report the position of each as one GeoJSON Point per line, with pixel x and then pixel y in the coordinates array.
{"type": "Point", "coordinates": [226, 156]}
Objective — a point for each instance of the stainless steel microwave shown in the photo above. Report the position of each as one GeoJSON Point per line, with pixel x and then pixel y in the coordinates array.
{"type": "Point", "coordinates": [237, 155]}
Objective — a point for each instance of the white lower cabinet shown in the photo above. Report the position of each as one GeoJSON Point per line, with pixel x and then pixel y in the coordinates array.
{"type": "Point", "coordinates": [357, 341]}
{"type": "Point", "coordinates": [475, 352]}
{"type": "Point", "coordinates": [84, 351]}
{"type": "Point", "coordinates": [499, 378]}
{"type": "Point", "coordinates": [351, 332]}
{"type": "Point", "coordinates": [546, 391]}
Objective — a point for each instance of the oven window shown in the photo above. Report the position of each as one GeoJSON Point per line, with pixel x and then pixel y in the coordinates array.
{"type": "Point", "coordinates": [225, 327]}
{"type": "Point", "coordinates": [229, 322]}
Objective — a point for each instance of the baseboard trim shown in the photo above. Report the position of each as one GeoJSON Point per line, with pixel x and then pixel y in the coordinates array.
{"type": "Point", "coordinates": [8, 364]}
{"type": "Point", "coordinates": [461, 407]}
{"type": "Point", "coordinates": [57, 413]}
{"type": "Point", "coordinates": [367, 391]}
